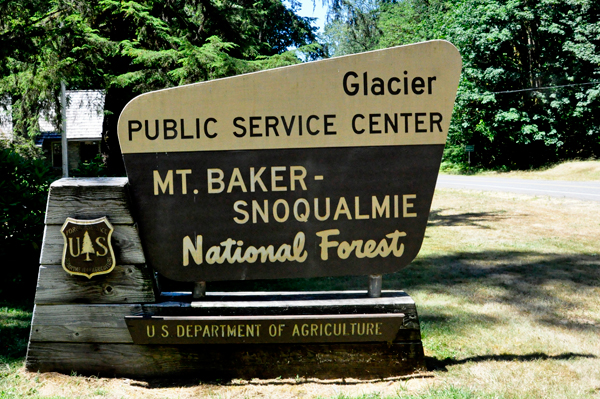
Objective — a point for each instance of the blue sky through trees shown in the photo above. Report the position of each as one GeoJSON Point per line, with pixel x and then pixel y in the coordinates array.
{"type": "Point", "coordinates": [319, 12]}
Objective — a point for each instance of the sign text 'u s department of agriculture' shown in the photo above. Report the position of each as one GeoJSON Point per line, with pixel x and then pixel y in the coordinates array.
{"type": "Point", "coordinates": [264, 329]}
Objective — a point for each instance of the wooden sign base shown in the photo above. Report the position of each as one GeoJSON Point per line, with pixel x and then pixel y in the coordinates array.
{"type": "Point", "coordinates": [81, 325]}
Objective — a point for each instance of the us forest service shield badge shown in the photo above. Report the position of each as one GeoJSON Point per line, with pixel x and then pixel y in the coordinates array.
{"type": "Point", "coordinates": [87, 250]}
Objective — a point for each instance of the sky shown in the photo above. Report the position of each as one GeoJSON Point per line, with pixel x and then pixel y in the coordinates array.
{"type": "Point", "coordinates": [319, 12]}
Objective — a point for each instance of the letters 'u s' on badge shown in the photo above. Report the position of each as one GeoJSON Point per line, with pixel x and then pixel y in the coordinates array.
{"type": "Point", "coordinates": [88, 250]}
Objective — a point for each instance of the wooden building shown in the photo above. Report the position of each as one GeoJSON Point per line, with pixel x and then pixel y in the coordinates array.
{"type": "Point", "coordinates": [85, 115]}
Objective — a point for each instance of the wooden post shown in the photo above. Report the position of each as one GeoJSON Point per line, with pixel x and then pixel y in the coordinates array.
{"type": "Point", "coordinates": [64, 140]}
{"type": "Point", "coordinates": [199, 290]}
{"type": "Point", "coordinates": [63, 301]}
{"type": "Point", "coordinates": [375, 283]}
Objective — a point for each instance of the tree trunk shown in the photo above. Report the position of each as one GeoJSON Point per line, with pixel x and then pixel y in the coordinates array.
{"type": "Point", "coordinates": [115, 101]}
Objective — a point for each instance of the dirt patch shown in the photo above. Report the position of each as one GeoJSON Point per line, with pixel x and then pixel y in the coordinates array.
{"type": "Point", "coordinates": [54, 384]}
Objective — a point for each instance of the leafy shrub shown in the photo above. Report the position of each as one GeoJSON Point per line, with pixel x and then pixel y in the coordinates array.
{"type": "Point", "coordinates": [24, 183]}
{"type": "Point", "coordinates": [94, 168]}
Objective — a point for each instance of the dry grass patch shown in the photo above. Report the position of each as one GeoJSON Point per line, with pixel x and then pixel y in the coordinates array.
{"type": "Point", "coordinates": [572, 170]}
{"type": "Point", "coordinates": [509, 293]}
{"type": "Point", "coordinates": [508, 290]}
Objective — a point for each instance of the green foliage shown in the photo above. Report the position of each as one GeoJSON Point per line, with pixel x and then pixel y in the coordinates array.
{"type": "Point", "coordinates": [361, 25]}
{"type": "Point", "coordinates": [94, 168]}
{"type": "Point", "coordinates": [23, 192]}
{"type": "Point", "coordinates": [529, 92]}
{"type": "Point", "coordinates": [515, 45]}
{"type": "Point", "coordinates": [130, 47]}
{"type": "Point", "coordinates": [413, 21]}
{"type": "Point", "coordinates": [352, 26]}
{"type": "Point", "coordinates": [42, 43]}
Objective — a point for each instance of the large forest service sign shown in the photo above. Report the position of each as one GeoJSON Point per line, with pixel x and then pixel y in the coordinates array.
{"type": "Point", "coordinates": [321, 169]}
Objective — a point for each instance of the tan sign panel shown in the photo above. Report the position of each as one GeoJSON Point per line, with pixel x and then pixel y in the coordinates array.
{"type": "Point", "coordinates": [397, 96]}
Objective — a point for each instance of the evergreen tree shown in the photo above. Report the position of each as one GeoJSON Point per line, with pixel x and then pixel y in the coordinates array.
{"type": "Point", "coordinates": [127, 48]}
{"type": "Point", "coordinates": [87, 247]}
{"type": "Point", "coordinates": [352, 26]}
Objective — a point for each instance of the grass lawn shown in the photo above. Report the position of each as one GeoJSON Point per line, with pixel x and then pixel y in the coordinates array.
{"type": "Point", "coordinates": [508, 291]}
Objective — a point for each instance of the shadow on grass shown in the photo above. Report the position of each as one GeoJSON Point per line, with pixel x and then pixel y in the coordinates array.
{"type": "Point", "coordinates": [471, 219]}
{"type": "Point", "coordinates": [434, 364]}
{"type": "Point", "coordinates": [541, 285]}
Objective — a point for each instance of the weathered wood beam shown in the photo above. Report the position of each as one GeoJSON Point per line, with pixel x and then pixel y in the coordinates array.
{"type": "Point", "coordinates": [89, 198]}
{"type": "Point", "coordinates": [375, 360]}
{"type": "Point", "coordinates": [125, 284]}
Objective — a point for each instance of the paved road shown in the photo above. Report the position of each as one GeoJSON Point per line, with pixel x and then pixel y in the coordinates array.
{"type": "Point", "coordinates": [582, 190]}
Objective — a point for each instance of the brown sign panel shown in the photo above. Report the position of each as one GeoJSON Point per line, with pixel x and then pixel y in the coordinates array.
{"type": "Point", "coordinates": [87, 247]}
{"type": "Point", "coordinates": [264, 329]}
{"type": "Point", "coordinates": [322, 169]}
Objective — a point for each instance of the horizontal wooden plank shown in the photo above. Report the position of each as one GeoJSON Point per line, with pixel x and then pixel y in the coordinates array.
{"type": "Point", "coordinates": [82, 334]}
{"type": "Point", "coordinates": [82, 323]}
{"type": "Point", "coordinates": [94, 316]}
{"type": "Point", "coordinates": [373, 360]}
{"type": "Point", "coordinates": [88, 198]}
{"type": "Point", "coordinates": [388, 297]}
{"type": "Point", "coordinates": [308, 303]}
{"type": "Point", "coordinates": [125, 241]}
{"type": "Point", "coordinates": [84, 182]}
{"type": "Point", "coordinates": [66, 320]}
{"type": "Point", "coordinates": [125, 284]}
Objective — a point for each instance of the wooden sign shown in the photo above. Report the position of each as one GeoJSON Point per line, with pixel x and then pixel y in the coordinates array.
{"type": "Point", "coordinates": [87, 247]}
{"type": "Point", "coordinates": [264, 329]}
{"type": "Point", "coordinates": [321, 169]}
